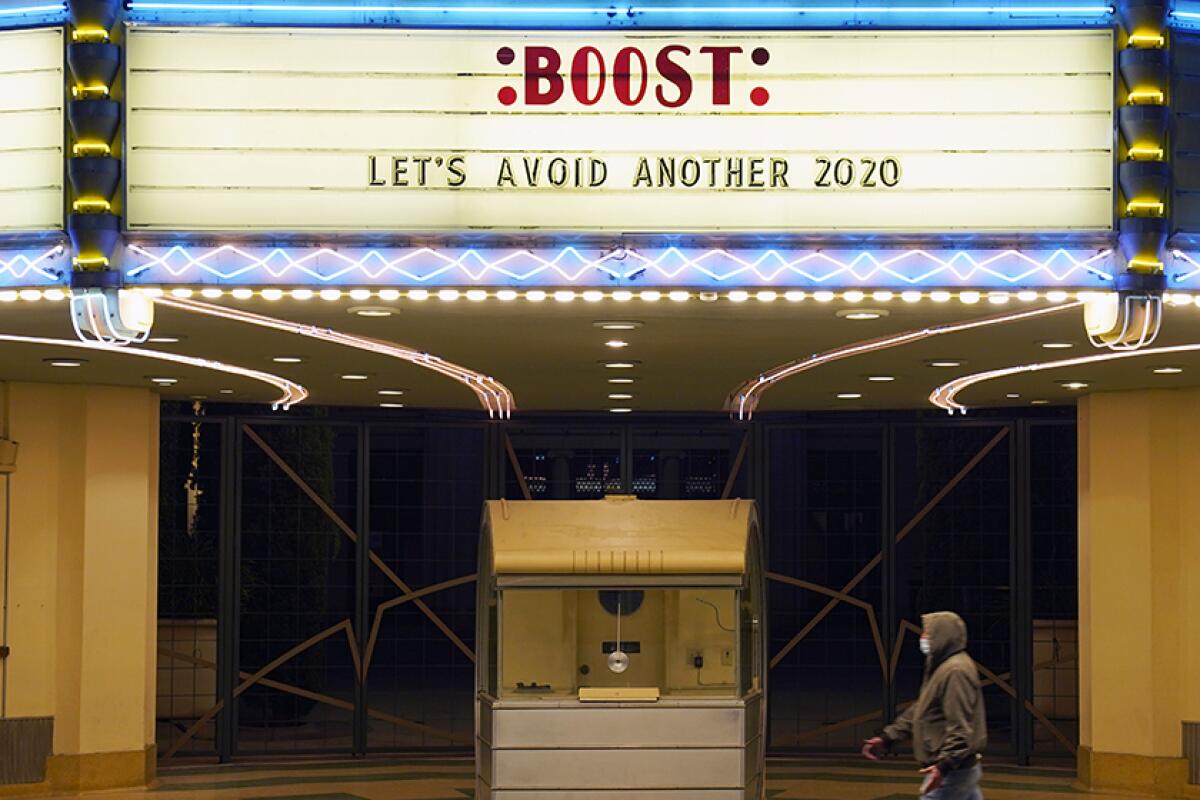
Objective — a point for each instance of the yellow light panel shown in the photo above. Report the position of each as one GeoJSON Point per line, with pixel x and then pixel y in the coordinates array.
{"type": "Point", "coordinates": [90, 262]}
{"type": "Point", "coordinates": [92, 204]}
{"type": "Point", "coordinates": [92, 149]}
{"type": "Point", "coordinates": [1147, 40]}
{"type": "Point", "coordinates": [1146, 97]}
{"type": "Point", "coordinates": [1145, 265]}
{"type": "Point", "coordinates": [96, 90]}
{"type": "Point", "coordinates": [1145, 152]}
{"type": "Point", "coordinates": [89, 33]}
{"type": "Point", "coordinates": [1151, 207]}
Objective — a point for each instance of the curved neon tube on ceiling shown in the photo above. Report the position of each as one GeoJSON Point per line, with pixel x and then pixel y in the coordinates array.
{"type": "Point", "coordinates": [745, 398]}
{"type": "Point", "coordinates": [493, 395]}
{"type": "Point", "coordinates": [945, 396]}
{"type": "Point", "coordinates": [292, 392]}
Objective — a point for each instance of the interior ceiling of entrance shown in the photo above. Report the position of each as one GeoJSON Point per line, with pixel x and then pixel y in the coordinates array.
{"type": "Point", "coordinates": [689, 355]}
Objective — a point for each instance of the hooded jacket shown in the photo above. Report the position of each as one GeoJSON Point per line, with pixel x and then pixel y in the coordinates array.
{"type": "Point", "coordinates": [948, 722]}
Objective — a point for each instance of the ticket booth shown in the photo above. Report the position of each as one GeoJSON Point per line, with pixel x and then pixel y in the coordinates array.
{"type": "Point", "coordinates": [621, 651]}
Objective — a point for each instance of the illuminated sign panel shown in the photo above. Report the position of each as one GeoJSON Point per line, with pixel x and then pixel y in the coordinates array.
{"type": "Point", "coordinates": [31, 130]}
{"type": "Point", "coordinates": [341, 130]}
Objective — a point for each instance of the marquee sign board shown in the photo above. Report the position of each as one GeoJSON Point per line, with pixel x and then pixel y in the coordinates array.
{"type": "Point", "coordinates": [31, 130]}
{"type": "Point", "coordinates": [259, 130]}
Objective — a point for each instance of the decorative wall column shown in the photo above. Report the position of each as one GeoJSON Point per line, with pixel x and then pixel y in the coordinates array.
{"type": "Point", "coordinates": [83, 530]}
{"type": "Point", "coordinates": [1139, 594]}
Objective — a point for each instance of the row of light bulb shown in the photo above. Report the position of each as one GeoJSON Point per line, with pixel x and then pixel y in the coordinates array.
{"type": "Point", "coordinates": [966, 297]}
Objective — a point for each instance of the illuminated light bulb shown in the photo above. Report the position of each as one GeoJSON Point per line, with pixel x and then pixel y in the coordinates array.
{"type": "Point", "coordinates": [1056, 296]}
{"type": "Point", "coordinates": [1027, 296]}
{"type": "Point", "coordinates": [89, 204]}
{"type": "Point", "coordinates": [593, 296]}
{"type": "Point", "coordinates": [881, 296]}
{"type": "Point", "coordinates": [89, 148]}
{"type": "Point", "coordinates": [620, 396]}
{"type": "Point", "coordinates": [211, 293]}
{"type": "Point", "coordinates": [287, 359]}
{"type": "Point", "coordinates": [8, 296]}
{"type": "Point", "coordinates": [448, 295]}
{"type": "Point", "coordinates": [823, 297]}
{"type": "Point", "coordinates": [738, 296]}
{"type": "Point", "coordinates": [1074, 385]}
{"type": "Point", "coordinates": [1197, 299]}
{"type": "Point", "coordinates": [998, 298]}
{"type": "Point", "coordinates": [881, 378]}
{"type": "Point", "coordinates": [1179, 299]}
{"type": "Point", "coordinates": [242, 294]}
{"type": "Point", "coordinates": [853, 296]}
{"type": "Point", "coordinates": [1057, 345]}
{"type": "Point", "coordinates": [968, 298]}
{"type": "Point", "coordinates": [1146, 39]}
{"type": "Point", "coordinates": [1145, 265]}
{"type": "Point", "coordinates": [477, 295]}
{"type": "Point", "coordinates": [1039, 402]}
{"type": "Point", "coordinates": [1012, 395]}
{"type": "Point", "coordinates": [650, 297]}
{"type": "Point", "coordinates": [390, 392]}
{"type": "Point", "coordinates": [506, 295]}
{"type": "Point", "coordinates": [1151, 207]}
{"type": "Point", "coordinates": [616, 344]}
{"type": "Point", "coordinates": [793, 297]}
{"type": "Point", "coordinates": [766, 297]}
{"type": "Point", "coordinates": [391, 405]}
{"type": "Point", "coordinates": [940, 297]}
{"type": "Point", "coordinates": [360, 294]}
{"type": "Point", "coordinates": [302, 294]}
{"type": "Point", "coordinates": [622, 296]}
{"type": "Point", "coordinates": [55, 295]}
{"type": "Point", "coordinates": [165, 381]}
{"type": "Point", "coordinates": [678, 297]}
{"type": "Point", "coordinates": [181, 293]}
{"type": "Point", "coordinates": [389, 295]}
{"type": "Point", "coordinates": [564, 296]}
{"type": "Point", "coordinates": [152, 291]}
{"type": "Point", "coordinates": [910, 297]}
{"type": "Point", "coordinates": [30, 295]}
{"type": "Point", "coordinates": [329, 295]}
{"type": "Point", "coordinates": [89, 33]}
{"type": "Point", "coordinates": [620, 380]}
{"type": "Point", "coordinates": [1167, 370]}
{"type": "Point", "coordinates": [420, 295]}
{"type": "Point", "coordinates": [849, 396]}
{"type": "Point", "coordinates": [709, 297]}
{"type": "Point", "coordinates": [536, 296]}
{"type": "Point", "coordinates": [272, 294]}
{"type": "Point", "coordinates": [620, 410]}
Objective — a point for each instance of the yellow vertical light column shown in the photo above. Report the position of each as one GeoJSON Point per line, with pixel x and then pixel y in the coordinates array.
{"type": "Point", "coordinates": [83, 577]}
{"type": "Point", "coordinates": [1138, 599]}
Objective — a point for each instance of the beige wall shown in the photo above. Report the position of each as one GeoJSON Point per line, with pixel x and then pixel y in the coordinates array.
{"type": "Point", "coordinates": [1139, 505]}
{"type": "Point", "coordinates": [83, 565]}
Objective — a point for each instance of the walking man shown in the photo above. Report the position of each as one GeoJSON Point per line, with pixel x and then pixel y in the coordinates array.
{"type": "Point", "coordinates": [947, 723]}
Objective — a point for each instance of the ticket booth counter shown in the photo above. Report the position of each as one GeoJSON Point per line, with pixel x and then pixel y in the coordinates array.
{"type": "Point", "coordinates": [621, 651]}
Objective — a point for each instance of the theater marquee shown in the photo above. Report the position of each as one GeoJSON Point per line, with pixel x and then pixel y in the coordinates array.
{"type": "Point", "coordinates": [31, 130]}
{"type": "Point", "coordinates": [352, 130]}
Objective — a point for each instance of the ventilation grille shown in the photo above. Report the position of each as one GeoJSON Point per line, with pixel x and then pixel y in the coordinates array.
{"type": "Point", "coordinates": [24, 746]}
{"type": "Point", "coordinates": [1191, 750]}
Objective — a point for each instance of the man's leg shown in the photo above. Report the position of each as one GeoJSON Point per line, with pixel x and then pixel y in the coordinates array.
{"type": "Point", "coordinates": [961, 784]}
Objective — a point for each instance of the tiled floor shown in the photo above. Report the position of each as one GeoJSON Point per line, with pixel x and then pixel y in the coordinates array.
{"type": "Point", "coordinates": [451, 779]}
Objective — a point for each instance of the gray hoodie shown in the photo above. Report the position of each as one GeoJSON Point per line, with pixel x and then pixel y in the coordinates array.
{"type": "Point", "coordinates": [948, 722]}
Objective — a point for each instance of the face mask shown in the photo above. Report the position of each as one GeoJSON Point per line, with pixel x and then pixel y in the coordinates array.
{"type": "Point", "coordinates": [925, 646]}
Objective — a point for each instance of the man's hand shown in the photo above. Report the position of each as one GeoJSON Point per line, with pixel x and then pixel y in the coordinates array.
{"type": "Point", "coordinates": [873, 748]}
{"type": "Point", "coordinates": [933, 779]}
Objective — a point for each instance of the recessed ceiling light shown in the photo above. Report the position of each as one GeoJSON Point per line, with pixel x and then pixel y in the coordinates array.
{"type": "Point", "coordinates": [617, 324]}
{"type": "Point", "coordinates": [564, 296]}
{"type": "Point", "coordinates": [793, 296]}
{"type": "Point", "coordinates": [391, 405]}
{"type": "Point", "coordinates": [65, 362]}
{"type": "Point", "coordinates": [910, 297]}
{"type": "Point", "coordinates": [620, 364]}
{"type": "Point", "coordinates": [650, 296]}
{"type": "Point", "coordinates": [738, 296]}
{"type": "Point", "coordinates": [619, 396]}
{"type": "Point", "coordinates": [849, 396]}
{"type": "Point", "coordinates": [288, 359]}
{"type": "Point", "coordinates": [862, 313]}
{"type": "Point", "coordinates": [1056, 296]}
{"type": "Point", "coordinates": [272, 294]}
{"type": "Point", "coordinates": [199, 397]}
{"type": "Point", "coordinates": [370, 311]}
{"type": "Point", "coordinates": [1057, 345]}
{"type": "Point", "coordinates": [1167, 370]}
{"type": "Point", "coordinates": [593, 296]}
{"type": "Point", "coordinates": [854, 296]}
{"type": "Point", "coordinates": [1027, 296]}
{"type": "Point", "coordinates": [616, 344]}
{"type": "Point", "coordinates": [678, 296]}
{"type": "Point", "coordinates": [330, 295]}
{"type": "Point", "coordinates": [536, 296]}
{"type": "Point", "coordinates": [163, 339]}
{"type": "Point", "coordinates": [477, 295]}
{"type": "Point", "coordinates": [360, 294]}
{"type": "Point", "coordinates": [621, 380]}
{"type": "Point", "coordinates": [302, 294]}
{"type": "Point", "coordinates": [391, 392]}
{"type": "Point", "coordinates": [620, 410]}
{"type": "Point", "coordinates": [226, 391]}
{"type": "Point", "coordinates": [940, 297]}
{"type": "Point", "coordinates": [165, 381]}
{"type": "Point", "coordinates": [211, 294]}
{"type": "Point", "coordinates": [448, 295]}
{"type": "Point", "coordinates": [823, 297]}
{"type": "Point", "coordinates": [881, 378]}
{"type": "Point", "coordinates": [968, 298]}
{"type": "Point", "coordinates": [708, 297]}
{"type": "Point", "coordinates": [1039, 402]}
{"type": "Point", "coordinates": [1074, 385]}
{"type": "Point", "coordinates": [420, 295]}
{"type": "Point", "coordinates": [945, 362]}
{"type": "Point", "coordinates": [622, 296]}
{"type": "Point", "coordinates": [506, 295]}
{"type": "Point", "coordinates": [1012, 395]}
{"type": "Point", "coordinates": [766, 296]}
{"type": "Point", "coordinates": [355, 377]}
{"type": "Point", "coordinates": [242, 294]}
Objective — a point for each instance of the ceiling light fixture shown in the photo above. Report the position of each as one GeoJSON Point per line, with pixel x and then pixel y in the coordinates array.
{"type": "Point", "coordinates": [360, 294]}
{"type": "Point", "coordinates": [370, 311]}
{"type": "Point", "coordinates": [564, 296]}
{"type": "Point", "coordinates": [620, 364]}
{"type": "Point", "coordinates": [225, 391]}
{"type": "Point", "coordinates": [287, 359]}
{"type": "Point", "coordinates": [272, 294]}
{"type": "Point", "coordinates": [619, 396]}
{"type": "Point", "coordinates": [449, 295]}
{"type": "Point", "coordinates": [242, 294]}
{"type": "Point", "coordinates": [1027, 296]}
{"type": "Point", "coordinates": [65, 362]}
{"type": "Point", "coordinates": [1074, 385]}
{"type": "Point", "coordinates": [617, 324]}
{"type": "Point", "coordinates": [620, 410]}
{"type": "Point", "coordinates": [622, 296]}
{"type": "Point", "coordinates": [419, 295]}
{"type": "Point", "coordinates": [944, 363]}
{"type": "Point", "coordinates": [1057, 345]}
{"type": "Point", "coordinates": [1167, 370]}
{"type": "Point", "coordinates": [330, 295]}
{"type": "Point", "coordinates": [881, 378]}
{"type": "Point", "coordinates": [390, 295]}
{"type": "Point", "coordinates": [1012, 395]}
{"type": "Point", "coordinates": [354, 376]}
{"type": "Point", "coordinates": [506, 295]}
{"type": "Point", "coordinates": [616, 344]}
{"type": "Point", "coordinates": [536, 296]}
{"type": "Point", "coordinates": [593, 296]}
{"type": "Point", "coordinates": [678, 297]}
{"type": "Point", "coordinates": [163, 339]}
{"type": "Point", "coordinates": [849, 396]}
{"type": "Point", "coordinates": [477, 295]}
{"type": "Point", "coordinates": [621, 380]}
{"type": "Point", "coordinates": [164, 381]}
{"type": "Point", "coordinates": [302, 294]}
{"type": "Point", "coordinates": [738, 296]}
{"type": "Point", "coordinates": [391, 405]}
{"type": "Point", "coordinates": [650, 296]}
{"type": "Point", "coordinates": [859, 314]}
{"type": "Point", "coordinates": [390, 392]}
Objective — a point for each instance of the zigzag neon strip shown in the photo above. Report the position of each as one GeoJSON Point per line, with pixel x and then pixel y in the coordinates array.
{"type": "Point", "coordinates": [29, 268]}
{"type": "Point", "coordinates": [571, 266]}
{"type": "Point", "coordinates": [1188, 267]}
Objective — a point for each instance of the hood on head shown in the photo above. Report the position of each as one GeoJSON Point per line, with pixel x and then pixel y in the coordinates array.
{"type": "Point", "coordinates": [947, 635]}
